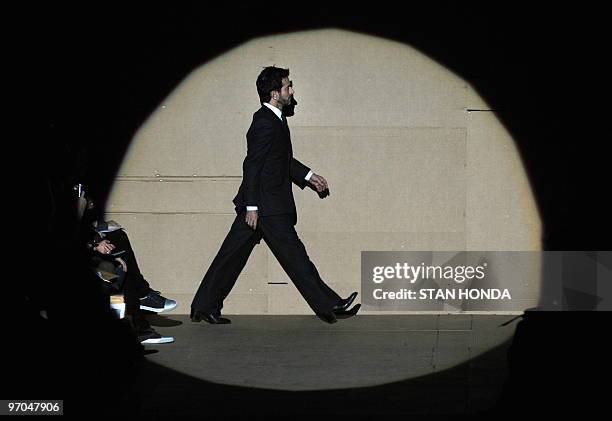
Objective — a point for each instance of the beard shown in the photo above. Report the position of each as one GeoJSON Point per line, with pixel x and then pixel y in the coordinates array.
{"type": "Point", "coordinates": [289, 109]}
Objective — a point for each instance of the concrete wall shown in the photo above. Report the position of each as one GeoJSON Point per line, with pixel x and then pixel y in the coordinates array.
{"type": "Point", "coordinates": [409, 167]}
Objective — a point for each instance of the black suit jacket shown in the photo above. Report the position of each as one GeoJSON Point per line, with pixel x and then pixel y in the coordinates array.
{"type": "Point", "coordinates": [269, 167]}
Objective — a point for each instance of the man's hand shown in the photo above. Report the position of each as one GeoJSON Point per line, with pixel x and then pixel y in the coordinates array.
{"type": "Point", "coordinates": [251, 218]}
{"type": "Point", "coordinates": [104, 247]}
{"type": "Point", "coordinates": [318, 182]}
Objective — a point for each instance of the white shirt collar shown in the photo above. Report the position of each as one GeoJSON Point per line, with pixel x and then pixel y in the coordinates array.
{"type": "Point", "coordinates": [278, 112]}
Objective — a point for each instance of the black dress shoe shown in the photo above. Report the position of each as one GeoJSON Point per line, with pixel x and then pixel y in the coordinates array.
{"type": "Point", "coordinates": [213, 319]}
{"type": "Point", "coordinates": [328, 317]}
{"type": "Point", "coordinates": [345, 303]}
{"type": "Point", "coordinates": [345, 314]}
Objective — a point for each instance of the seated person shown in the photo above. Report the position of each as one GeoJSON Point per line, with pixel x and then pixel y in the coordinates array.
{"type": "Point", "coordinates": [117, 244]}
{"type": "Point", "coordinates": [112, 254]}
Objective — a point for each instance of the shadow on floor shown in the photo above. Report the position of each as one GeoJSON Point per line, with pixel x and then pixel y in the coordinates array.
{"type": "Point", "coordinates": [164, 392]}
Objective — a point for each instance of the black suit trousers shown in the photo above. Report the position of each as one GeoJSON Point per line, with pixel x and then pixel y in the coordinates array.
{"type": "Point", "coordinates": [279, 234]}
{"type": "Point", "coordinates": [135, 285]}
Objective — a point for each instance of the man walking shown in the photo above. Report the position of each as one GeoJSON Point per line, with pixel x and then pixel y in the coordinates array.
{"type": "Point", "coordinates": [265, 209]}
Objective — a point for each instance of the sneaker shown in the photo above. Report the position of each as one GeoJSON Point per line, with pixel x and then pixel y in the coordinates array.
{"type": "Point", "coordinates": [150, 336]}
{"type": "Point", "coordinates": [154, 301]}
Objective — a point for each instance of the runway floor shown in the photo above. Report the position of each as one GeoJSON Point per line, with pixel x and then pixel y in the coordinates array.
{"type": "Point", "coordinates": [280, 365]}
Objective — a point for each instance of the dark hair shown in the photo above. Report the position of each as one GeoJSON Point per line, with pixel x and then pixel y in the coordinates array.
{"type": "Point", "coordinates": [270, 79]}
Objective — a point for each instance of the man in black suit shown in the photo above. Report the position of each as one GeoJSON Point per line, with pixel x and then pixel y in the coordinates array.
{"type": "Point", "coordinates": [265, 209]}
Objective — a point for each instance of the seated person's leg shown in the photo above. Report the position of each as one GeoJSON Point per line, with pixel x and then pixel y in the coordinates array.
{"type": "Point", "coordinates": [121, 241]}
{"type": "Point", "coordinates": [136, 289]}
{"type": "Point", "coordinates": [144, 331]}
{"type": "Point", "coordinates": [134, 315]}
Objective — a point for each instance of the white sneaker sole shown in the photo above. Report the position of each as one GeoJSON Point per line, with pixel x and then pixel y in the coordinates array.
{"type": "Point", "coordinates": [163, 340]}
{"type": "Point", "coordinates": [167, 307]}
